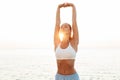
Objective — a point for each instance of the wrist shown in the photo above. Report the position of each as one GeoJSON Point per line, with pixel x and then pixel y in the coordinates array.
{"type": "Point", "coordinates": [59, 6]}
{"type": "Point", "coordinates": [72, 5]}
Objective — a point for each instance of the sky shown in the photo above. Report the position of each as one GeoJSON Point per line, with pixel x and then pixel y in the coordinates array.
{"type": "Point", "coordinates": [31, 23]}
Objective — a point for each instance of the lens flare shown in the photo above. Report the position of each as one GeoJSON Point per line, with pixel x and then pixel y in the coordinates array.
{"type": "Point", "coordinates": [61, 35]}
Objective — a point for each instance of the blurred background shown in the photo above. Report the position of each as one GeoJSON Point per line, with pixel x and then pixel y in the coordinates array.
{"type": "Point", "coordinates": [30, 24]}
{"type": "Point", "coordinates": [26, 38]}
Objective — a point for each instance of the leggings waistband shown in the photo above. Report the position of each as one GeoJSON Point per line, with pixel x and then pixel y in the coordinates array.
{"type": "Point", "coordinates": [67, 77]}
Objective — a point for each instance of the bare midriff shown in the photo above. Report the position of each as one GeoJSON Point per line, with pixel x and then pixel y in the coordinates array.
{"type": "Point", "coordinates": [66, 66]}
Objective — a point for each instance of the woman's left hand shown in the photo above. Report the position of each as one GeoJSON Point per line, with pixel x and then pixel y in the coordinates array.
{"type": "Point", "coordinates": [68, 4]}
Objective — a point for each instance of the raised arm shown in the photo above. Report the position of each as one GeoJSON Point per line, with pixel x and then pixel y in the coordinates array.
{"type": "Point", "coordinates": [74, 24]}
{"type": "Point", "coordinates": [57, 25]}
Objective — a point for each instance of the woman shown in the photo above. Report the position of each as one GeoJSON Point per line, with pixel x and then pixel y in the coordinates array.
{"type": "Point", "coordinates": [66, 47]}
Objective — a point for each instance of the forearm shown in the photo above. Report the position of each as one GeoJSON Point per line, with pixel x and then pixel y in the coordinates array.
{"type": "Point", "coordinates": [58, 16]}
{"type": "Point", "coordinates": [73, 14]}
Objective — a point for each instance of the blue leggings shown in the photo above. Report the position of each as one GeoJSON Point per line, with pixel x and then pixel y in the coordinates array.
{"type": "Point", "coordinates": [67, 77]}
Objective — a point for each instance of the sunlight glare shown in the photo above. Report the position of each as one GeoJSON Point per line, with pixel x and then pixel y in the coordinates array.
{"type": "Point", "coordinates": [61, 35]}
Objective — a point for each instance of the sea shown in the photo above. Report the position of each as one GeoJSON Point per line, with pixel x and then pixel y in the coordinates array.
{"type": "Point", "coordinates": [40, 64]}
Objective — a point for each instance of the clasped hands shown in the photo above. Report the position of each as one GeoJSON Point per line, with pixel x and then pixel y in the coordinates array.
{"type": "Point", "coordinates": [65, 5]}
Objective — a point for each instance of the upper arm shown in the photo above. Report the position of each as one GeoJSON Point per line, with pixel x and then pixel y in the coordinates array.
{"type": "Point", "coordinates": [75, 37]}
{"type": "Point", "coordinates": [56, 36]}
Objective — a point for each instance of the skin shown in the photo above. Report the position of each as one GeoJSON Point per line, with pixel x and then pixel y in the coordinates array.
{"type": "Point", "coordinates": [66, 66]}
